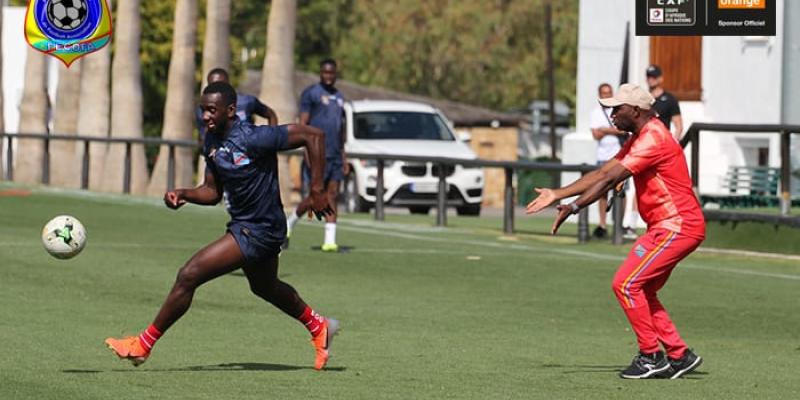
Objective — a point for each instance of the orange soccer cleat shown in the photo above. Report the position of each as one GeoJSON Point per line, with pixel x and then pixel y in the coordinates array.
{"type": "Point", "coordinates": [322, 342]}
{"type": "Point", "coordinates": [129, 348]}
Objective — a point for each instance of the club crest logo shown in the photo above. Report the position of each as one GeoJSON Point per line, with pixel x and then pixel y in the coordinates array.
{"type": "Point", "coordinates": [68, 29]}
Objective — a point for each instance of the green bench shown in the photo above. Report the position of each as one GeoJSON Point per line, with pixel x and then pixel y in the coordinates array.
{"type": "Point", "coordinates": [748, 187]}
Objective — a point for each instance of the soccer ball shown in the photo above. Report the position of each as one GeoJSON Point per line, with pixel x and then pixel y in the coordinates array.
{"type": "Point", "coordinates": [66, 14]}
{"type": "Point", "coordinates": [64, 237]}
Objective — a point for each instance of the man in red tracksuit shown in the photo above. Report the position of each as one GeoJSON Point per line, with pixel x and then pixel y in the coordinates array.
{"type": "Point", "coordinates": [675, 227]}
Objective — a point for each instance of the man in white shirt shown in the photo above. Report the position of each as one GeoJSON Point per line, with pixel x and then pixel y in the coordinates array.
{"type": "Point", "coordinates": [608, 145]}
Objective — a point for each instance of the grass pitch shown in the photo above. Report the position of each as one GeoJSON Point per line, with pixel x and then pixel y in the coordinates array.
{"type": "Point", "coordinates": [428, 313]}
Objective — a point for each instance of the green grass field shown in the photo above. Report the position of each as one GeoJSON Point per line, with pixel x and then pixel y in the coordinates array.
{"type": "Point", "coordinates": [428, 313]}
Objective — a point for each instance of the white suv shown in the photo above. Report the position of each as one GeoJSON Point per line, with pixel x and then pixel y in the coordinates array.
{"type": "Point", "coordinates": [407, 128]}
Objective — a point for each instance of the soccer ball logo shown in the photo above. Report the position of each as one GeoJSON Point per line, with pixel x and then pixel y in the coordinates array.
{"type": "Point", "coordinates": [66, 15]}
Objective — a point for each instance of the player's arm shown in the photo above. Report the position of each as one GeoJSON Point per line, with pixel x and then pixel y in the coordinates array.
{"type": "Point", "coordinates": [677, 121]}
{"type": "Point", "coordinates": [314, 142]}
{"type": "Point", "coordinates": [207, 194]}
{"type": "Point", "coordinates": [343, 136]}
{"type": "Point", "coordinates": [264, 111]}
{"type": "Point", "coordinates": [599, 133]}
{"type": "Point", "coordinates": [605, 180]}
{"type": "Point", "coordinates": [549, 196]}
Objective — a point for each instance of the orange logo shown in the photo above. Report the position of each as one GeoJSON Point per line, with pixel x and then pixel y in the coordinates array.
{"type": "Point", "coordinates": [742, 4]}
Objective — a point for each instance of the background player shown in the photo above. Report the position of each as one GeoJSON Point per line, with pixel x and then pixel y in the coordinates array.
{"type": "Point", "coordinates": [321, 106]}
{"type": "Point", "coordinates": [242, 166]}
{"type": "Point", "coordinates": [675, 227]}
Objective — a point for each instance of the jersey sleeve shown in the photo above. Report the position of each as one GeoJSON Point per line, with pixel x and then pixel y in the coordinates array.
{"type": "Point", "coordinates": [268, 139]}
{"type": "Point", "coordinates": [639, 154]}
{"type": "Point", "coordinates": [675, 107]}
{"type": "Point", "coordinates": [306, 101]}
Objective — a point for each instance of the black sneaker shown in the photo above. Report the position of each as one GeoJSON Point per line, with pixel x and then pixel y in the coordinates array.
{"type": "Point", "coordinates": [285, 243]}
{"type": "Point", "coordinates": [688, 363]}
{"type": "Point", "coordinates": [646, 366]}
{"type": "Point", "coordinates": [600, 232]}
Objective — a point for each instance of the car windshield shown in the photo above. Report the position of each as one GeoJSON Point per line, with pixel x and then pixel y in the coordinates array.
{"type": "Point", "coordinates": [401, 126]}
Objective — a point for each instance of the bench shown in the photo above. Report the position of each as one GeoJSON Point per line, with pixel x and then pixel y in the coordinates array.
{"type": "Point", "coordinates": [748, 187]}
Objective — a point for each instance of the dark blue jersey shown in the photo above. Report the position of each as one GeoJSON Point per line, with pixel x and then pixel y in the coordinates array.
{"type": "Point", "coordinates": [325, 108]}
{"type": "Point", "coordinates": [245, 166]}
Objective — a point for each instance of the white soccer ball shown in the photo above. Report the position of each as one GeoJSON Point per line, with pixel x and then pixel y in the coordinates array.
{"type": "Point", "coordinates": [64, 237]}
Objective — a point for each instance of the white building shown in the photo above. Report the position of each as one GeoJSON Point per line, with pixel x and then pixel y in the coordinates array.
{"type": "Point", "coordinates": [727, 79]}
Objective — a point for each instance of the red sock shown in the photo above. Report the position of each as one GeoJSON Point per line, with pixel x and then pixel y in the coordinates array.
{"type": "Point", "coordinates": [149, 336]}
{"type": "Point", "coordinates": [311, 320]}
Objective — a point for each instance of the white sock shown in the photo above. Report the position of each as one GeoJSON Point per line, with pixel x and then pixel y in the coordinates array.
{"type": "Point", "coordinates": [292, 220]}
{"type": "Point", "coordinates": [330, 233]}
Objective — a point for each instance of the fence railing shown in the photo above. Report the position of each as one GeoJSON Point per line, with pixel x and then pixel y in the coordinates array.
{"type": "Point", "coordinates": [692, 137]}
{"type": "Point", "coordinates": [510, 168]}
{"type": "Point", "coordinates": [128, 142]}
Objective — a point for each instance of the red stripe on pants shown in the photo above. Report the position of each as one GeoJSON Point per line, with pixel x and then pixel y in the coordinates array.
{"type": "Point", "coordinates": [638, 279]}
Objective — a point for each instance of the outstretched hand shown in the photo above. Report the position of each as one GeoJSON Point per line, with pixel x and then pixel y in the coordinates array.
{"type": "Point", "coordinates": [174, 199]}
{"type": "Point", "coordinates": [564, 211]}
{"type": "Point", "coordinates": [545, 199]}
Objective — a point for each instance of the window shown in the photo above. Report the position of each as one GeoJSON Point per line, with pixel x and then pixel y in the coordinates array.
{"type": "Point", "coordinates": [680, 57]}
{"type": "Point", "coordinates": [401, 126]}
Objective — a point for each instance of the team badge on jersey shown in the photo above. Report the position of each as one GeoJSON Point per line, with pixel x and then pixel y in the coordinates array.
{"type": "Point", "coordinates": [68, 29]}
{"type": "Point", "coordinates": [240, 158]}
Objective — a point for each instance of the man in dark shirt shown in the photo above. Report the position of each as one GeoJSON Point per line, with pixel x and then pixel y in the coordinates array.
{"type": "Point", "coordinates": [246, 105]}
{"type": "Point", "coordinates": [666, 105]}
{"type": "Point", "coordinates": [322, 106]}
{"type": "Point", "coordinates": [242, 169]}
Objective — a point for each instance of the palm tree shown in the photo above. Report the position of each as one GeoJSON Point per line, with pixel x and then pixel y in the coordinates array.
{"type": "Point", "coordinates": [33, 118]}
{"type": "Point", "coordinates": [93, 119]}
{"type": "Point", "coordinates": [216, 48]}
{"type": "Point", "coordinates": [126, 101]}
{"type": "Point", "coordinates": [277, 76]}
{"type": "Point", "coordinates": [216, 44]}
{"type": "Point", "coordinates": [65, 122]}
{"type": "Point", "coordinates": [2, 115]}
{"type": "Point", "coordinates": [179, 109]}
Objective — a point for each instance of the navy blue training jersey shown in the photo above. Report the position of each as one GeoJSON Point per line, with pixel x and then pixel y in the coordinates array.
{"type": "Point", "coordinates": [326, 110]}
{"type": "Point", "coordinates": [245, 165]}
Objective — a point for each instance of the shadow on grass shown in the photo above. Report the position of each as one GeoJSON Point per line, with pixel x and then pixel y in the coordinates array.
{"type": "Point", "coordinates": [235, 367]}
{"type": "Point", "coordinates": [594, 369]}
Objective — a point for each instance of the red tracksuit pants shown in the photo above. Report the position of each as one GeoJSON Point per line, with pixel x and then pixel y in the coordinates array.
{"type": "Point", "coordinates": [639, 278]}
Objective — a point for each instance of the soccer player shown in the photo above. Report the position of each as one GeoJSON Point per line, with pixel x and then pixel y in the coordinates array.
{"type": "Point", "coordinates": [242, 167]}
{"type": "Point", "coordinates": [321, 105]}
{"type": "Point", "coordinates": [675, 227]}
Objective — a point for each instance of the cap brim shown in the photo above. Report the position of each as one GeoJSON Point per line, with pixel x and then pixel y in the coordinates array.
{"type": "Point", "coordinates": [610, 102]}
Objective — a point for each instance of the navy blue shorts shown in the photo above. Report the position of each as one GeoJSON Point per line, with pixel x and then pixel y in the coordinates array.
{"type": "Point", "coordinates": [255, 244]}
{"type": "Point", "coordinates": [333, 171]}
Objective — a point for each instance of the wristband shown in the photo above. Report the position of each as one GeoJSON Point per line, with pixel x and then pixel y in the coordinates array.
{"type": "Point", "coordinates": [574, 207]}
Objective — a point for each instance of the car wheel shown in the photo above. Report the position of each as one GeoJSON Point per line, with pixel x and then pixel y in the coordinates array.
{"type": "Point", "coordinates": [419, 209]}
{"type": "Point", "coordinates": [353, 202]}
{"type": "Point", "coordinates": [470, 210]}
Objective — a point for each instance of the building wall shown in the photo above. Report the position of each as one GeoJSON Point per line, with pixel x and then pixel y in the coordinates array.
{"type": "Point", "coordinates": [494, 144]}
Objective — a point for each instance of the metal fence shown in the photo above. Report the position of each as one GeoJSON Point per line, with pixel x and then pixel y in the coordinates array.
{"type": "Point", "coordinates": [510, 168]}
{"type": "Point", "coordinates": [129, 142]}
{"type": "Point", "coordinates": [692, 137]}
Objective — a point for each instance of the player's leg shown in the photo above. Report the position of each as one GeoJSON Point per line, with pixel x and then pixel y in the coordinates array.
{"type": "Point", "coordinates": [216, 259]}
{"type": "Point", "coordinates": [264, 282]}
{"type": "Point", "coordinates": [681, 358]}
{"type": "Point", "coordinates": [601, 231]}
{"type": "Point", "coordinates": [332, 190]}
{"type": "Point", "coordinates": [628, 283]}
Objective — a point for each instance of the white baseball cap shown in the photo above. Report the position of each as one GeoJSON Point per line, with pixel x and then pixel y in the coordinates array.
{"type": "Point", "coordinates": [632, 95]}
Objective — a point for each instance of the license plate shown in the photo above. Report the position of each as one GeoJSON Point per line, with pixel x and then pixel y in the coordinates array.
{"type": "Point", "coordinates": [425, 187]}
